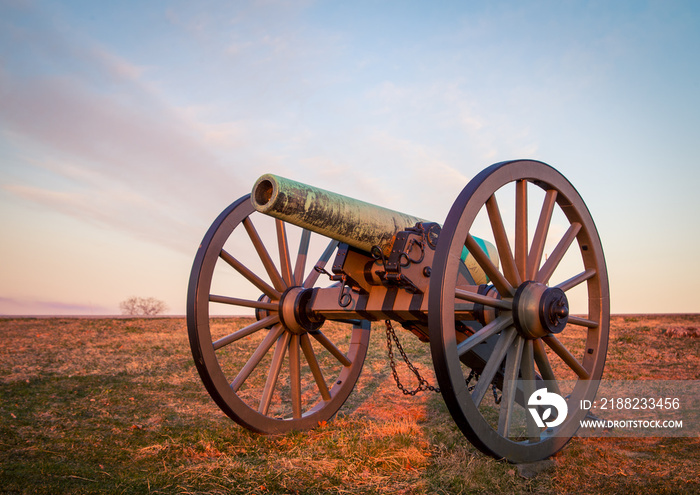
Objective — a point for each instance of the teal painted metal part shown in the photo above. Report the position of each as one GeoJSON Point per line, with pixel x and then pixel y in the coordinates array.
{"type": "Point", "coordinates": [474, 269]}
{"type": "Point", "coordinates": [354, 222]}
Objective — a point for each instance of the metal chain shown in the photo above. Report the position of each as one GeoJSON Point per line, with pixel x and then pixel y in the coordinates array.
{"type": "Point", "coordinates": [474, 375]}
{"type": "Point", "coordinates": [422, 382]}
{"type": "Point", "coordinates": [496, 398]}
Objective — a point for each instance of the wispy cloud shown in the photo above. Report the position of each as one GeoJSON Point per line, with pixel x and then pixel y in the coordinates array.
{"type": "Point", "coordinates": [125, 157]}
{"type": "Point", "coordinates": [131, 161]}
{"type": "Point", "coordinates": [26, 307]}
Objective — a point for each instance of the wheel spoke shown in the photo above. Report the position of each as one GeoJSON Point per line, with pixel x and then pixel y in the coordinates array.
{"type": "Point", "coordinates": [330, 346]}
{"type": "Point", "coordinates": [248, 330]}
{"type": "Point", "coordinates": [527, 372]}
{"type": "Point", "coordinates": [257, 356]}
{"type": "Point", "coordinates": [566, 356]}
{"type": "Point", "coordinates": [315, 368]}
{"type": "Point", "coordinates": [285, 259]}
{"type": "Point", "coordinates": [271, 292]}
{"type": "Point", "coordinates": [504, 251]}
{"type": "Point", "coordinates": [499, 281]}
{"type": "Point", "coordinates": [558, 253]}
{"type": "Point", "coordinates": [264, 256]}
{"type": "Point", "coordinates": [246, 303]}
{"type": "Point", "coordinates": [273, 374]}
{"type": "Point", "coordinates": [295, 376]}
{"type": "Point", "coordinates": [510, 385]}
{"type": "Point", "coordinates": [301, 257]}
{"type": "Point", "coordinates": [537, 248]}
{"type": "Point", "coordinates": [489, 301]}
{"type": "Point", "coordinates": [484, 333]}
{"type": "Point", "coordinates": [493, 364]}
{"type": "Point", "coordinates": [521, 227]}
{"type": "Point", "coordinates": [576, 280]}
{"type": "Point", "coordinates": [321, 263]}
{"type": "Point", "coordinates": [582, 322]}
{"type": "Point", "coordinates": [545, 368]}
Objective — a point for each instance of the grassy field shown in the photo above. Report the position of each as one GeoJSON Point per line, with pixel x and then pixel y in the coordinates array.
{"type": "Point", "coordinates": [116, 406]}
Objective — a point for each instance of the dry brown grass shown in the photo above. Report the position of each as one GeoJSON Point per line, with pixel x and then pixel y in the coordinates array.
{"type": "Point", "coordinates": [116, 406]}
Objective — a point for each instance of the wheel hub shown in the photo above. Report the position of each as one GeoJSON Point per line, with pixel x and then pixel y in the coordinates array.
{"type": "Point", "coordinates": [293, 311]}
{"type": "Point", "coordinates": [486, 314]}
{"type": "Point", "coordinates": [262, 313]}
{"type": "Point", "coordinates": [539, 310]}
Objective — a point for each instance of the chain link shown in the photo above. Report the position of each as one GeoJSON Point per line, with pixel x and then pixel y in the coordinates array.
{"type": "Point", "coordinates": [474, 375]}
{"type": "Point", "coordinates": [422, 382]}
{"type": "Point", "coordinates": [496, 398]}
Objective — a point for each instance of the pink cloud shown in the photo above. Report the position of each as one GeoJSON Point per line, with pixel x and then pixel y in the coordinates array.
{"type": "Point", "coordinates": [115, 152]}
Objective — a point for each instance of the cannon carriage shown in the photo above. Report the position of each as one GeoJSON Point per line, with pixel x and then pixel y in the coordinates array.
{"type": "Point", "coordinates": [491, 295]}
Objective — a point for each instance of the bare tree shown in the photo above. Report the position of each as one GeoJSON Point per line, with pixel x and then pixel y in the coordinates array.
{"type": "Point", "coordinates": [142, 306]}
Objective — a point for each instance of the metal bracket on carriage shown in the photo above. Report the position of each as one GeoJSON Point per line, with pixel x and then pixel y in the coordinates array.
{"type": "Point", "coordinates": [409, 258]}
{"type": "Point", "coordinates": [348, 264]}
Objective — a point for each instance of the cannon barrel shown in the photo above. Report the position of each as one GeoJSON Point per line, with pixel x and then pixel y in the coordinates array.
{"type": "Point", "coordinates": [354, 222]}
{"type": "Point", "coordinates": [357, 223]}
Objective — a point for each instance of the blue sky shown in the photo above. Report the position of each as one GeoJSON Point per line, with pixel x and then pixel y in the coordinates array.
{"type": "Point", "coordinates": [125, 127]}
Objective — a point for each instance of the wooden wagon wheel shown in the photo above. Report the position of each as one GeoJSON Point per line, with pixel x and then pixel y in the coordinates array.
{"type": "Point", "coordinates": [536, 331]}
{"type": "Point", "coordinates": [281, 371]}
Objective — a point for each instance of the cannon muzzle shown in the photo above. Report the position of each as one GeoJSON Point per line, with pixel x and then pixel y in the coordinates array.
{"type": "Point", "coordinates": [357, 223]}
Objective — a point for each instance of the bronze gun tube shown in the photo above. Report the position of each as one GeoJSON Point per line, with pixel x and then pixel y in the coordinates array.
{"type": "Point", "coordinates": [357, 223]}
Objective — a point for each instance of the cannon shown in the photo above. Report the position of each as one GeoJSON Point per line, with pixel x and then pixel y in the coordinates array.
{"type": "Point", "coordinates": [512, 314]}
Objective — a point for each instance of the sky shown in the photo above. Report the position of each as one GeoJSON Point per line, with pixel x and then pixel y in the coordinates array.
{"type": "Point", "coordinates": [126, 127]}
